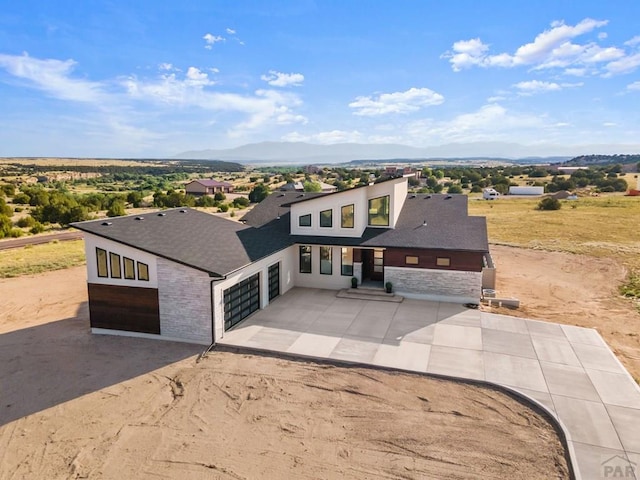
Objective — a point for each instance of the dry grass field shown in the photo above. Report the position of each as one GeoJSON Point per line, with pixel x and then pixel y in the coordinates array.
{"type": "Point", "coordinates": [605, 226]}
{"type": "Point", "coordinates": [36, 259]}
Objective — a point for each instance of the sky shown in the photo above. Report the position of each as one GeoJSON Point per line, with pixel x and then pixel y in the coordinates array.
{"type": "Point", "coordinates": [155, 78]}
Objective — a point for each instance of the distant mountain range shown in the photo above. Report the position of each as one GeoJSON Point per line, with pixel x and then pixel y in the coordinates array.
{"type": "Point", "coordinates": [306, 153]}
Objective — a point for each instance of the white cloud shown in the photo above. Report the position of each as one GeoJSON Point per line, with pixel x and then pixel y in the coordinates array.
{"type": "Point", "coordinates": [633, 42]}
{"type": "Point", "coordinates": [166, 66]}
{"type": "Point", "coordinates": [576, 72]}
{"type": "Point", "coordinates": [624, 65]}
{"type": "Point", "coordinates": [230, 31]}
{"type": "Point", "coordinates": [211, 40]}
{"type": "Point", "coordinates": [197, 77]}
{"type": "Point", "coordinates": [634, 86]}
{"type": "Point", "coordinates": [279, 79]}
{"type": "Point", "coordinates": [53, 77]}
{"type": "Point", "coordinates": [536, 86]}
{"type": "Point", "coordinates": [609, 124]}
{"type": "Point", "coordinates": [408, 101]}
{"type": "Point", "coordinates": [552, 48]}
{"type": "Point", "coordinates": [602, 35]}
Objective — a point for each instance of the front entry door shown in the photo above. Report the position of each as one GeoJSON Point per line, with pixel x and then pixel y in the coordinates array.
{"type": "Point", "coordinates": [373, 264]}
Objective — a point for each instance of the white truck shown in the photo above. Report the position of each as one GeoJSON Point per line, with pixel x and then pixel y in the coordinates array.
{"type": "Point", "coordinates": [490, 194]}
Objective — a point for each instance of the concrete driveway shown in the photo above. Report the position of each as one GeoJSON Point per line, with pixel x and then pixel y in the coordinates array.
{"type": "Point", "coordinates": [569, 371]}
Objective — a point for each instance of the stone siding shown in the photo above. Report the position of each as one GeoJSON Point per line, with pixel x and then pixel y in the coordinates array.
{"type": "Point", "coordinates": [185, 302]}
{"type": "Point", "coordinates": [444, 285]}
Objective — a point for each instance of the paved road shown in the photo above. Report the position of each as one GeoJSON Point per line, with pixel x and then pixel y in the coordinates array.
{"type": "Point", "coordinates": [38, 239]}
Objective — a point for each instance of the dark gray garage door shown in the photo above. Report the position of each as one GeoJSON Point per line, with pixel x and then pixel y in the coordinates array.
{"type": "Point", "coordinates": [274, 281]}
{"type": "Point", "coordinates": [241, 300]}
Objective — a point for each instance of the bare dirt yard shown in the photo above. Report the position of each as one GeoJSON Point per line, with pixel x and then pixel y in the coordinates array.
{"type": "Point", "coordinates": [76, 405]}
{"type": "Point", "coordinates": [571, 289]}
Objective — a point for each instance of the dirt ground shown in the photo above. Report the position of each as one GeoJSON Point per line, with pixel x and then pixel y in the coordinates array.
{"type": "Point", "coordinates": [76, 405]}
{"type": "Point", "coordinates": [571, 289]}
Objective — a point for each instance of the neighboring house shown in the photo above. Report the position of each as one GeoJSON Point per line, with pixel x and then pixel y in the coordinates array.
{"type": "Point", "coordinates": [207, 187]}
{"type": "Point", "coordinates": [299, 187]}
{"type": "Point", "coordinates": [181, 274]}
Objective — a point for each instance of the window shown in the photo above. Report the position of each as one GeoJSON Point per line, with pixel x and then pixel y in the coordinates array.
{"type": "Point", "coordinates": [326, 218]}
{"type": "Point", "coordinates": [346, 262]}
{"type": "Point", "coordinates": [305, 259]}
{"type": "Point", "coordinates": [304, 220]}
{"type": "Point", "coordinates": [143, 271]}
{"type": "Point", "coordinates": [443, 261]}
{"type": "Point", "coordinates": [411, 260]}
{"type": "Point", "coordinates": [103, 269]}
{"type": "Point", "coordinates": [114, 260]}
{"type": "Point", "coordinates": [129, 268]}
{"type": "Point", "coordinates": [325, 261]}
{"type": "Point", "coordinates": [378, 260]}
{"type": "Point", "coordinates": [346, 216]}
{"type": "Point", "coordinates": [379, 211]}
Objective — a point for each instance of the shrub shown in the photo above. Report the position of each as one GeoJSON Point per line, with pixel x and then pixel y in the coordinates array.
{"type": "Point", "coordinates": [454, 189]}
{"type": "Point", "coordinates": [219, 196]}
{"type": "Point", "coordinates": [116, 209]}
{"type": "Point", "coordinates": [15, 233]}
{"type": "Point", "coordinates": [223, 208]}
{"type": "Point", "coordinates": [259, 193]}
{"type": "Point", "coordinates": [241, 202]}
{"type": "Point", "coordinates": [22, 199]}
{"type": "Point", "coordinates": [26, 222]}
{"type": "Point", "coordinates": [37, 228]}
{"type": "Point", "coordinates": [549, 203]}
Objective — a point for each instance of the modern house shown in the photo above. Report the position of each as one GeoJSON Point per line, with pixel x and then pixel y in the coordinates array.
{"type": "Point", "coordinates": [207, 187]}
{"type": "Point", "coordinates": [181, 274]}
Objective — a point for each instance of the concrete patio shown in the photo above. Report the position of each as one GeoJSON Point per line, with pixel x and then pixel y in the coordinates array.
{"type": "Point", "coordinates": [569, 371]}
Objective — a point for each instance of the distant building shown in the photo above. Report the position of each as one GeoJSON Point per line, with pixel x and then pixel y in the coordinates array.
{"type": "Point", "coordinates": [208, 187]}
{"type": "Point", "coordinates": [312, 169]}
{"type": "Point", "coordinates": [299, 187]}
{"type": "Point", "coordinates": [526, 190]}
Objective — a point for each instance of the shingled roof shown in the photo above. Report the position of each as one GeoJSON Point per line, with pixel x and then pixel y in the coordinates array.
{"type": "Point", "coordinates": [212, 244]}
{"type": "Point", "coordinates": [220, 246]}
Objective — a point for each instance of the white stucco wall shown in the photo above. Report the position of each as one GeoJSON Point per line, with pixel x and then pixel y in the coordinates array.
{"type": "Point", "coordinates": [431, 284]}
{"type": "Point", "coordinates": [287, 261]}
{"type": "Point", "coordinates": [359, 197]}
{"type": "Point", "coordinates": [93, 241]}
{"type": "Point", "coordinates": [335, 281]}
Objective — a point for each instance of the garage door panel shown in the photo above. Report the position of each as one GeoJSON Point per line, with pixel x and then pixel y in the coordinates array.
{"type": "Point", "coordinates": [241, 300]}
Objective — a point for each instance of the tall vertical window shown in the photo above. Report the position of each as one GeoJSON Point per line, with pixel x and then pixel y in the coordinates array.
{"type": "Point", "coordinates": [103, 268]}
{"type": "Point", "coordinates": [346, 216]}
{"type": "Point", "coordinates": [325, 261]}
{"type": "Point", "coordinates": [346, 256]}
{"type": "Point", "coordinates": [379, 211]}
{"type": "Point", "coordinates": [129, 268]}
{"type": "Point", "coordinates": [326, 218]}
{"type": "Point", "coordinates": [114, 260]}
{"type": "Point", "coordinates": [305, 259]}
{"type": "Point", "coordinates": [143, 271]}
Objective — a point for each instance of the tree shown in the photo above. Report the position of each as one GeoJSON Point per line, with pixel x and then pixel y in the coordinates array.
{"type": "Point", "coordinates": [116, 209]}
{"type": "Point", "coordinates": [259, 193]}
{"type": "Point", "coordinates": [219, 197]}
{"type": "Point", "coordinates": [312, 186]}
{"type": "Point", "coordinates": [135, 198]}
{"type": "Point", "coordinates": [454, 189]}
{"type": "Point", "coordinates": [241, 202]}
{"type": "Point", "coordinates": [549, 203]}
{"type": "Point", "coordinates": [5, 226]}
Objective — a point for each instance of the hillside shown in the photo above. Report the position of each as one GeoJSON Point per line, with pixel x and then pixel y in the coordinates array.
{"type": "Point", "coordinates": [593, 160]}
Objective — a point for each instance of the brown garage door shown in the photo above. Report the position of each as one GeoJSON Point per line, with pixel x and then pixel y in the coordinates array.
{"type": "Point", "coordinates": [124, 308]}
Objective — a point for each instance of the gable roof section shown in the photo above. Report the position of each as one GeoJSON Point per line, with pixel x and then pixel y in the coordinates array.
{"type": "Point", "coordinates": [205, 242]}
{"type": "Point", "coordinates": [274, 205]}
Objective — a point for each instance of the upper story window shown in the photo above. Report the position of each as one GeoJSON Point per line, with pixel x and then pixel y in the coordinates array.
{"type": "Point", "coordinates": [326, 218]}
{"type": "Point", "coordinates": [143, 271]}
{"type": "Point", "coordinates": [346, 216]}
{"type": "Point", "coordinates": [379, 211]}
{"type": "Point", "coordinates": [103, 269]}
{"type": "Point", "coordinates": [129, 270]}
{"type": "Point", "coordinates": [114, 260]}
{"type": "Point", "coordinates": [304, 220]}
